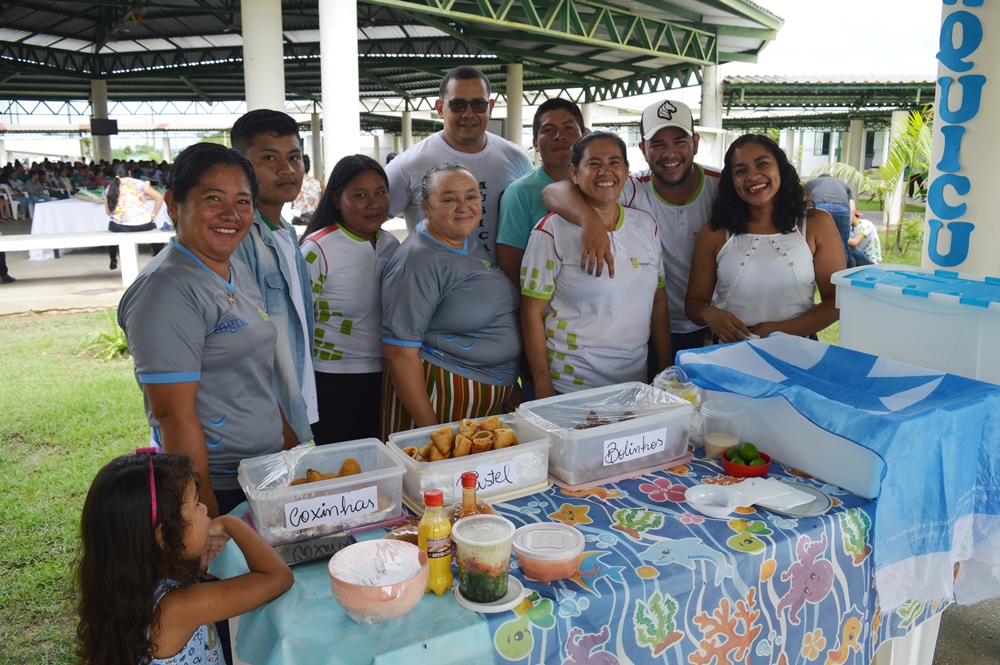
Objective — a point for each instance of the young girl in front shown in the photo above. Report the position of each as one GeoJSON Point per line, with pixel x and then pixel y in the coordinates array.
{"type": "Point", "coordinates": [145, 540]}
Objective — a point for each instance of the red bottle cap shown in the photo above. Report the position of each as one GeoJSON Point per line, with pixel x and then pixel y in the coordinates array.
{"type": "Point", "coordinates": [433, 498]}
{"type": "Point", "coordinates": [469, 479]}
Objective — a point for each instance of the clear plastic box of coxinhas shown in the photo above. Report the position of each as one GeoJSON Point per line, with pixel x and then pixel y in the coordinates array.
{"type": "Point", "coordinates": [506, 473]}
{"type": "Point", "coordinates": [610, 432]}
{"type": "Point", "coordinates": [286, 513]}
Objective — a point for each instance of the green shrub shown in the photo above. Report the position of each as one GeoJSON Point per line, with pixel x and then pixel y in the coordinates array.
{"type": "Point", "coordinates": [110, 344]}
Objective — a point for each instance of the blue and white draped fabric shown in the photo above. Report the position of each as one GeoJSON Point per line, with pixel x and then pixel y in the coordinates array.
{"type": "Point", "coordinates": [938, 434]}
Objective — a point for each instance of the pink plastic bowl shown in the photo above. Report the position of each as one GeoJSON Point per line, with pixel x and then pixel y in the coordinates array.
{"type": "Point", "coordinates": [378, 580]}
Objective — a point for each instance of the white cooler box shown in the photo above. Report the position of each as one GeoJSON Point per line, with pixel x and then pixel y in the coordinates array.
{"type": "Point", "coordinates": [774, 426]}
{"type": "Point", "coordinates": [932, 318]}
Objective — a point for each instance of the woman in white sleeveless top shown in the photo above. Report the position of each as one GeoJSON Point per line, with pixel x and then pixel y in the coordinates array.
{"type": "Point", "coordinates": [758, 261]}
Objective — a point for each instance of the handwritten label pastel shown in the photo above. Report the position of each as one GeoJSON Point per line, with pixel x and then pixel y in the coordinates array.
{"type": "Point", "coordinates": [502, 474]}
{"type": "Point", "coordinates": [634, 446]}
{"type": "Point", "coordinates": [331, 509]}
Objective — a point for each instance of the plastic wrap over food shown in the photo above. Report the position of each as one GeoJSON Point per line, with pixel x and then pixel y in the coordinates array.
{"type": "Point", "coordinates": [614, 404]}
{"type": "Point", "coordinates": [279, 469]}
{"type": "Point", "coordinates": [675, 381]}
{"type": "Point", "coordinates": [378, 580]}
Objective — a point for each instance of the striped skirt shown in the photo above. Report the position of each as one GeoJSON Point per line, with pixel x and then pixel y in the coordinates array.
{"type": "Point", "coordinates": [453, 397]}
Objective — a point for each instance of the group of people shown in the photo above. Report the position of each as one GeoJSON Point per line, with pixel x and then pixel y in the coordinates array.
{"type": "Point", "coordinates": [572, 275]}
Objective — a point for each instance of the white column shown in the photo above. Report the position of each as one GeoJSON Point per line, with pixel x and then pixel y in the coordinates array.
{"type": "Point", "coordinates": [587, 110]}
{"type": "Point", "coordinates": [377, 148]}
{"type": "Point", "coordinates": [711, 97]}
{"type": "Point", "coordinates": [962, 232]}
{"type": "Point", "coordinates": [3, 153]}
{"type": "Point", "coordinates": [789, 146]}
{"type": "Point", "coordinates": [892, 203]}
{"type": "Point", "coordinates": [263, 54]}
{"type": "Point", "coordinates": [407, 121]}
{"type": "Point", "coordinates": [316, 127]}
{"type": "Point", "coordinates": [338, 44]}
{"type": "Point", "coordinates": [856, 144]}
{"type": "Point", "coordinates": [100, 145]}
{"type": "Point", "coordinates": [395, 143]}
{"type": "Point", "coordinates": [167, 155]}
{"type": "Point", "coordinates": [515, 103]}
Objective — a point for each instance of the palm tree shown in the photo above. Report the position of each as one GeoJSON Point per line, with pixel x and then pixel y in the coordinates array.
{"type": "Point", "coordinates": [908, 159]}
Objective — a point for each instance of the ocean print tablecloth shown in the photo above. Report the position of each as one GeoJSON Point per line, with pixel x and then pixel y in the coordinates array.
{"type": "Point", "coordinates": [657, 583]}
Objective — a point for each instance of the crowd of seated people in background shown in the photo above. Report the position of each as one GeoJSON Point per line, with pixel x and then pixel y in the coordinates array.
{"type": "Point", "coordinates": [49, 180]}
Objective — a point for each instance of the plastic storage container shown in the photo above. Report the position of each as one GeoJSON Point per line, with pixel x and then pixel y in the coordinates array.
{"type": "Point", "coordinates": [508, 471]}
{"type": "Point", "coordinates": [937, 319]}
{"type": "Point", "coordinates": [548, 551]}
{"type": "Point", "coordinates": [284, 513]}
{"type": "Point", "coordinates": [608, 432]}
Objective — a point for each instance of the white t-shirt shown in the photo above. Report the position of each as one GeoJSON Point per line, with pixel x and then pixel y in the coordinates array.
{"type": "Point", "coordinates": [596, 328]}
{"type": "Point", "coordinates": [679, 228]}
{"type": "Point", "coordinates": [495, 166]}
{"type": "Point", "coordinates": [347, 301]}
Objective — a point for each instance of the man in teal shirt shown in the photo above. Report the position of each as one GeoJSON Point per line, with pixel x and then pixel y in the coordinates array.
{"type": "Point", "coordinates": [558, 124]}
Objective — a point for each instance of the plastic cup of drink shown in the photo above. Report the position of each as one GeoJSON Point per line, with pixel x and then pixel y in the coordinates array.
{"type": "Point", "coordinates": [723, 421]}
{"type": "Point", "coordinates": [483, 544]}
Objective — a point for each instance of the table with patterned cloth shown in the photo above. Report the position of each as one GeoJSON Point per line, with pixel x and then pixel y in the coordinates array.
{"type": "Point", "coordinates": [657, 582]}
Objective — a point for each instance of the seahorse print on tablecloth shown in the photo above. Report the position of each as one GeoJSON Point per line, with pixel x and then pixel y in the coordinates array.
{"type": "Point", "coordinates": [811, 578]}
{"type": "Point", "coordinates": [848, 642]}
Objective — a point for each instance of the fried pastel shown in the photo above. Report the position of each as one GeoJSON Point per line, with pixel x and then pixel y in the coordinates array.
{"type": "Point", "coordinates": [463, 446]}
{"type": "Point", "coordinates": [490, 424]}
{"type": "Point", "coordinates": [443, 439]}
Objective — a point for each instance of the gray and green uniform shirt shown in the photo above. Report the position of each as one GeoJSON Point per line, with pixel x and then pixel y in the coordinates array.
{"type": "Point", "coordinates": [347, 302]}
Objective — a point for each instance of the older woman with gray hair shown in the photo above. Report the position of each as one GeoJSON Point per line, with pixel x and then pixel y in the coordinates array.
{"type": "Point", "coordinates": [449, 315]}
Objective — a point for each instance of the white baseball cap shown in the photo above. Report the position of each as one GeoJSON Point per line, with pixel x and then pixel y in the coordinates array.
{"type": "Point", "coordinates": [666, 114]}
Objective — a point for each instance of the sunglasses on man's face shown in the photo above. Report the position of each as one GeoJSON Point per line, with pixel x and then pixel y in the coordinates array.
{"type": "Point", "coordinates": [459, 105]}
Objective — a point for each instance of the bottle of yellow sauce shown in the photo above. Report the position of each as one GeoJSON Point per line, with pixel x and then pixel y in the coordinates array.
{"type": "Point", "coordinates": [434, 538]}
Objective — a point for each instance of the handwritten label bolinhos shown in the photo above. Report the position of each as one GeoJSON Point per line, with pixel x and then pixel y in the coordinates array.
{"type": "Point", "coordinates": [331, 509]}
{"type": "Point", "coordinates": [502, 474]}
{"type": "Point", "coordinates": [634, 446]}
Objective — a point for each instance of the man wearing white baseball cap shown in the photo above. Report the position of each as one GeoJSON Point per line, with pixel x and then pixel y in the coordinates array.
{"type": "Point", "coordinates": [676, 191]}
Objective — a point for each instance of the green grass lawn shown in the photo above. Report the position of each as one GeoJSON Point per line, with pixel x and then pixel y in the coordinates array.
{"type": "Point", "coordinates": [64, 414]}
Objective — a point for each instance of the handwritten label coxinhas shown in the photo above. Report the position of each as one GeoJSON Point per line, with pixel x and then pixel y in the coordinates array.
{"type": "Point", "coordinates": [501, 474]}
{"type": "Point", "coordinates": [331, 509]}
{"type": "Point", "coordinates": [634, 446]}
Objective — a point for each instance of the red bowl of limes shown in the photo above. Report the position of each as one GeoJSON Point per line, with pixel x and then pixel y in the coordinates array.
{"type": "Point", "coordinates": [745, 461]}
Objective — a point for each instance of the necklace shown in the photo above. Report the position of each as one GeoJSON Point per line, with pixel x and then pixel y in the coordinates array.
{"type": "Point", "coordinates": [225, 287]}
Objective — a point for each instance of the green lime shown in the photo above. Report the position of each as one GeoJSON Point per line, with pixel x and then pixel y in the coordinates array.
{"type": "Point", "coordinates": [732, 452]}
{"type": "Point", "coordinates": [736, 459]}
{"type": "Point", "coordinates": [748, 451]}
{"type": "Point", "coordinates": [756, 462]}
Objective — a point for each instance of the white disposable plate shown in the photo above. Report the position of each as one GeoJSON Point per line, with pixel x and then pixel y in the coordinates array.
{"type": "Point", "coordinates": [515, 593]}
{"type": "Point", "coordinates": [814, 508]}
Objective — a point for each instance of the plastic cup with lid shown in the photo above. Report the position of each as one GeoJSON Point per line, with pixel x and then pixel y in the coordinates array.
{"type": "Point", "coordinates": [723, 425]}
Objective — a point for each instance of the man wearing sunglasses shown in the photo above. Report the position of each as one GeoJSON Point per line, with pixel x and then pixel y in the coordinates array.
{"type": "Point", "coordinates": [465, 106]}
